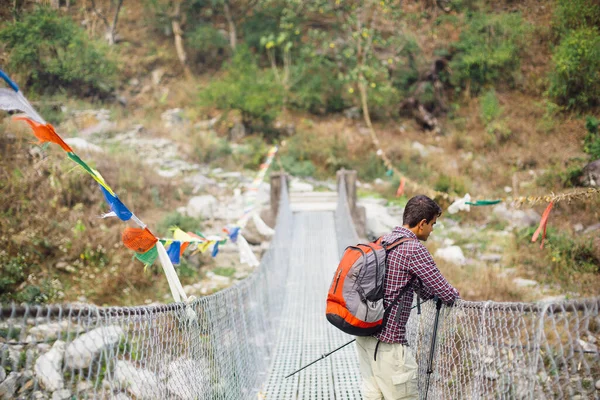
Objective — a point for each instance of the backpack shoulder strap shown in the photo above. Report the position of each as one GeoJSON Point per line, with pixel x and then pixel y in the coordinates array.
{"type": "Point", "coordinates": [397, 243]}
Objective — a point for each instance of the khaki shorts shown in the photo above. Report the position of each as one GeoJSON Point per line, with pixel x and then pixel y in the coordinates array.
{"type": "Point", "coordinates": [394, 374]}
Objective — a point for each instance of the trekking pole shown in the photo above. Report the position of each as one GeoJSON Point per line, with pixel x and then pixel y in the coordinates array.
{"type": "Point", "coordinates": [326, 355]}
{"type": "Point", "coordinates": [322, 357]}
{"type": "Point", "coordinates": [438, 306]}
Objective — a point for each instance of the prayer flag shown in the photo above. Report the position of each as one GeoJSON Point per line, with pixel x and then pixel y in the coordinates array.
{"type": "Point", "coordinates": [138, 239]}
{"type": "Point", "coordinates": [45, 133]}
{"type": "Point", "coordinates": [116, 205]}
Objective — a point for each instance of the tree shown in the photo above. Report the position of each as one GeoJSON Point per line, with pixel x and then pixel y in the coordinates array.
{"type": "Point", "coordinates": [111, 27]}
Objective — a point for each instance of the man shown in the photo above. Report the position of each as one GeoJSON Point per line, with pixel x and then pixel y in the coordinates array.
{"type": "Point", "coordinates": [387, 365]}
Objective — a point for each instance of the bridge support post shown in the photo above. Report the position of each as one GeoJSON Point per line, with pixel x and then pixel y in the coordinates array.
{"type": "Point", "coordinates": [270, 215]}
{"type": "Point", "coordinates": [359, 214]}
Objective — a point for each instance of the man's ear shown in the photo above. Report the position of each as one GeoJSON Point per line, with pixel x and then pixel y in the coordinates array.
{"type": "Point", "coordinates": [422, 223]}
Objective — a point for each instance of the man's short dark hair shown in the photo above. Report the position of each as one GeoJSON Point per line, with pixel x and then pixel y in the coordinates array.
{"type": "Point", "coordinates": [420, 208]}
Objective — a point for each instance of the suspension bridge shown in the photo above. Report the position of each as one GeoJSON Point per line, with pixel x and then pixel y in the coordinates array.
{"type": "Point", "coordinates": [241, 342]}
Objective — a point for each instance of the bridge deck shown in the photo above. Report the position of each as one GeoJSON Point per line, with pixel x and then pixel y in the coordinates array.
{"type": "Point", "coordinates": [304, 333]}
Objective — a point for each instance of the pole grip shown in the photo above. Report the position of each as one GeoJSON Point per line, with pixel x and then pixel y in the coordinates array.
{"type": "Point", "coordinates": [9, 81]}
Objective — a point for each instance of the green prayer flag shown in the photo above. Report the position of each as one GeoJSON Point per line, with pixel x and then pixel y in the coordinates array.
{"type": "Point", "coordinates": [483, 202]}
{"type": "Point", "coordinates": [79, 161]}
{"type": "Point", "coordinates": [148, 257]}
{"type": "Point", "coordinates": [389, 172]}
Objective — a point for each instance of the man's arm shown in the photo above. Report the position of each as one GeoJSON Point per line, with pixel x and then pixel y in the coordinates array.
{"type": "Point", "coordinates": [434, 283]}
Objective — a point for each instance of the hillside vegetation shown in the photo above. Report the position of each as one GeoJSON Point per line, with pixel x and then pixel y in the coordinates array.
{"type": "Point", "coordinates": [506, 93]}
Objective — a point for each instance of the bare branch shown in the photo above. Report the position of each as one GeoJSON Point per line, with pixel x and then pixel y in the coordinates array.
{"type": "Point", "coordinates": [99, 14]}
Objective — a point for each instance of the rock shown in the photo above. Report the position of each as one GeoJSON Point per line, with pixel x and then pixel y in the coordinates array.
{"type": "Point", "coordinates": [157, 75]}
{"type": "Point", "coordinates": [202, 206]}
{"type": "Point", "coordinates": [206, 125]}
{"type": "Point", "coordinates": [39, 395]}
{"type": "Point", "coordinates": [379, 221]}
{"type": "Point", "coordinates": [141, 383]}
{"type": "Point", "coordinates": [48, 332]}
{"type": "Point", "coordinates": [172, 117]}
{"type": "Point", "coordinates": [453, 254]}
{"type": "Point", "coordinates": [598, 384]}
{"type": "Point", "coordinates": [352, 113]}
{"type": "Point", "coordinates": [299, 186]}
{"type": "Point", "coordinates": [578, 227]}
{"type": "Point", "coordinates": [237, 132]}
{"type": "Point", "coordinates": [63, 394]}
{"type": "Point", "coordinates": [27, 386]}
{"type": "Point", "coordinates": [516, 218]}
{"type": "Point", "coordinates": [187, 378]}
{"type": "Point", "coordinates": [81, 352]}
{"type": "Point", "coordinates": [491, 375]}
{"type": "Point", "coordinates": [592, 228]}
{"type": "Point", "coordinates": [492, 258]}
{"type": "Point", "coordinates": [591, 174]}
{"type": "Point", "coordinates": [9, 386]}
{"type": "Point", "coordinates": [520, 282]}
{"type": "Point", "coordinates": [588, 347]}
{"type": "Point", "coordinates": [48, 367]}
{"type": "Point", "coordinates": [82, 386]}
{"type": "Point", "coordinates": [120, 396]}
{"type": "Point", "coordinates": [420, 148]}
{"type": "Point", "coordinates": [2, 375]}
{"type": "Point", "coordinates": [100, 128]}
{"type": "Point", "coordinates": [82, 144]}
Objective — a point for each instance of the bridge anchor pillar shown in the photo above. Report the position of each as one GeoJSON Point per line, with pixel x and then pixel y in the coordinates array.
{"type": "Point", "coordinates": [359, 214]}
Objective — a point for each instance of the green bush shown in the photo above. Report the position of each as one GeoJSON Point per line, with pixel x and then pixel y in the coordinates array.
{"type": "Point", "coordinates": [318, 90]}
{"type": "Point", "coordinates": [491, 115]}
{"type": "Point", "coordinates": [247, 89]}
{"type": "Point", "coordinates": [490, 107]}
{"type": "Point", "coordinates": [210, 148]}
{"type": "Point", "coordinates": [575, 78]}
{"type": "Point", "coordinates": [251, 153]}
{"type": "Point", "coordinates": [575, 14]}
{"type": "Point", "coordinates": [488, 50]}
{"type": "Point", "coordinates": [592, 139]}
{"type": "Point", "coordinates": [449, 184]}
{"type": "Point", "coordinates": [207, 45]}
{"type": "Point", "coordinates": [51, 52]}
{"type": "Point", "coordinates": [179, 220]}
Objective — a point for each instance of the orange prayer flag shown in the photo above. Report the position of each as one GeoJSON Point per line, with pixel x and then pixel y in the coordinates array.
{"type": "Point", "coordinates": [184, 246]}
{"type": "Point", "coordinates": [138, 240]}
{"type": "Point", "coordinates": [400, 190]}
{"type": "Point", "coordinates": [543, 225]}
{"type": "Point", "coordinates": [45, 133]}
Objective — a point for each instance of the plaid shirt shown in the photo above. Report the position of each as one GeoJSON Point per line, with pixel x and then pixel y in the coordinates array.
{"type": "Point", "coordinates": [409, 259]}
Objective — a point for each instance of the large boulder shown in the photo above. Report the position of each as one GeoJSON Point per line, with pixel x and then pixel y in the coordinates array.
{"type": "Point", "coordinates": [187, 378]}
{"type": "Point", "coordinates": [82, 351]}
{"type": "Point", "coordinates": [378, 218]}
{"type": "Point", "coordinates": [202, 206]}
{"type": "Point", "coordinates": [591, 174]}
{"type": "Point", "coordinates": [141, 383]}
{"type": "Point", "coordinates": [515, 217]}
{"type": "Point", "coordinates": [9, 386]}
{"type": "Point", "coordinates": [47, 367]}
{"type": "Point", "coordinates": [452, 254]}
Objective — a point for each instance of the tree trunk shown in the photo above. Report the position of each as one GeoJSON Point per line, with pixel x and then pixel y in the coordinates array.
{"type": "Point", "coordinates": [178, 32]}
{"type": "Point", "coordinates": [231, 23]}
{"type": "Point", "coordinates": [112, 30]}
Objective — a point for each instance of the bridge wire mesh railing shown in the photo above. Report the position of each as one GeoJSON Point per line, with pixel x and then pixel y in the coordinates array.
{"type": "Point", "coordinates": [220, 350]}
{"type": "Point", "coordinates": [491, 350]}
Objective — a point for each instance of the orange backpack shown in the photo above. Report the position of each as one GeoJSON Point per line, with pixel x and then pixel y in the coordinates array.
{"type": "Point", "coordinates": [355, 298]}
